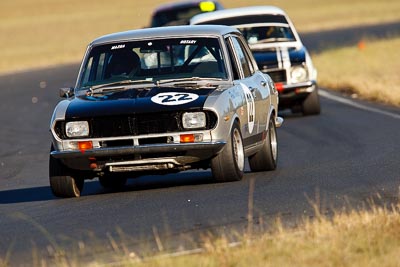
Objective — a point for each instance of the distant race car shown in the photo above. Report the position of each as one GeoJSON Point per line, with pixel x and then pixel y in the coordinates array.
{"type": "Point", "coordinates": [278, 51]}
{"type": "Point", "coordinates": [179, 13]}
{"type": "Point", "coordinates": [163, 100]}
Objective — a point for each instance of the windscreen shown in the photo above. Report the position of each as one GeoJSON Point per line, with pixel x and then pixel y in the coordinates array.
{"type": "Point", "coordinates": [267, 34]}
{"type": "Point", "coordinates": [258, 28]}
{"type": "Point", "coordinates": [153, 60]}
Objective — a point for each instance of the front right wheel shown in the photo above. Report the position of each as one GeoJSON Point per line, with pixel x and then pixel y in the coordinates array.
{"type": "Point", "coordinates": [64, 182]}
{"type": "Point", "coordinates": [228, 165]}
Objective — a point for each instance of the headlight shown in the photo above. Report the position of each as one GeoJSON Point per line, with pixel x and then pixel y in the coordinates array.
{"type": "Point", "coordinates": [298, 74]}
{"type": "Point", "coordinates": [77, 128]}
{"type": "Point", "coordinates": [193, 120]}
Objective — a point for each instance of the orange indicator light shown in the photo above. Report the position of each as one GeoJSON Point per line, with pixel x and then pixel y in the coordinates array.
{"type": "Point", "coordinates": [187, 138]}
{"type": "Point", "coordinates": [85, 145]}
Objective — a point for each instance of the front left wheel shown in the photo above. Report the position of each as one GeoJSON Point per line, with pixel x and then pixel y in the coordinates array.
{"type": "Point", "coordinates": [228, 165]}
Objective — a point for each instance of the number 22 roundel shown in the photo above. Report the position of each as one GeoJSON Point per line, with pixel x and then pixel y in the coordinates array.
{"type": "Point", "coordinates": [173, 98]}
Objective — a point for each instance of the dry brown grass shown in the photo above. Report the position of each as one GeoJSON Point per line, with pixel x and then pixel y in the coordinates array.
{"type": "Point", "coordinates": [369, 70]}
{"type": "Point", "coordinates": [363, 238]}
{"type": "Point", "coordinates": [366, 238]}
{"type": "Point", "coordinates": [47, 32]}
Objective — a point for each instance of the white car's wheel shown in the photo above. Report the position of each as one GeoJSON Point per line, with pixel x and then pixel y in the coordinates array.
{"type": "Point", "coordinates": [266, 158]}
{"type": "Point", "coordinates": [311, 105]}
{"type": "Point", "coordinates": [228, 165]}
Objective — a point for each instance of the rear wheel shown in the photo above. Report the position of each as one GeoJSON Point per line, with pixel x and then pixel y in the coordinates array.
{"type": "Point", "coordinates": [228, 165]}
{"type": "Point", "coordinates": [64, 182]}
{"type": "Point", "coordinates": [107, 181]}
{"type": "Point", "coordinates": [311, 105]}
{"type": "Point", "coordinates": [266, 158]}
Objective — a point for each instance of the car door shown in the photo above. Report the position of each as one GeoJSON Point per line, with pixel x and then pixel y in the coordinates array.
{"type": "Point", "coordinates": [249, 81]}
{"type": "Point", "coordinates": [263, 88]}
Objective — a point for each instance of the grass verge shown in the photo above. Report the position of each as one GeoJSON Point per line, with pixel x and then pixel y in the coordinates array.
{"type": "Point", "coordinates": [358, 238]}
{"type": "Point", "coordinates": [355, 238]}
{"type": "Point", "coordinates": [368, 69]}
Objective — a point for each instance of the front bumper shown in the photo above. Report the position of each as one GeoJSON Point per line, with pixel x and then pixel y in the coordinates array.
{"type": "Point", "coordinates": [293, 94]}
{"type": "Point", "coordinates": [139, 158]}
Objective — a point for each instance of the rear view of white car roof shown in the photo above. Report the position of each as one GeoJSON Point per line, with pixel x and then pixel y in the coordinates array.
{"type": "Point", "coordinates": [237, 12]}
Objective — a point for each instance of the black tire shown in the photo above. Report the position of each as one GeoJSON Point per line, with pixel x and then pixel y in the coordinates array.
{"type": "Point", "coordinates": [63, 181]}
{"type": "Point", "coordinates": [107, 181]}
{"type": "Point", "coordinates": [228, 165]}
{"type": "Point", "coordinates": [266, 158]}
{"type": "Point", "coordinates": [311, 105]}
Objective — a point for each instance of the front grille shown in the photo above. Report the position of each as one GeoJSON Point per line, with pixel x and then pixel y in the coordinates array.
{"type": "Point", "coordinates": [117, 143]}
{"type": "Point", "coordinates": [133, 125]}
{"type": "Point", "coordinates": [156, 140]}
{"type": "Point", "coordinates": [111, 126]}
{"type": "Point", "coordinates": [277, 75]}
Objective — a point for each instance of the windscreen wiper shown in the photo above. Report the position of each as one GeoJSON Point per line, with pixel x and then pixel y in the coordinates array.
{"type": "Point", "coordinates": [189, 79]}
{"type": "Point", "coordinates": [115, 86]}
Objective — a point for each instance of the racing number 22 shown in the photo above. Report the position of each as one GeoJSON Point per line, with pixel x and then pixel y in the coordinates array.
{"type": "Point", "coordinates": [175, 97]}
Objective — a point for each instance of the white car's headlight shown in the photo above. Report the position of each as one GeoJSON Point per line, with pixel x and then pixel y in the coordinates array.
{"type": "Point", "coordinates": [77, 128]}
{"type": "Point", "coordinates": [298, 74]}
{"type": "Point", "coordinates": [193, 120]}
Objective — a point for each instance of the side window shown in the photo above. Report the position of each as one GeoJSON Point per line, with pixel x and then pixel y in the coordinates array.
{"type": "Point", "coordinates": [87, 71]}
{"type": "Point", "coordinates": [243, 58]}
{"type": "Point", "coordinates": [233, 62]}
{"type": "Point", "coordinates": [94, 70]}
{"type": "Point", "coordinates": [249, 57]}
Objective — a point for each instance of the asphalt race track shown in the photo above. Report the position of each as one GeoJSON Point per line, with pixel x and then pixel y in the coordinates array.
{"type": "Point", "coordinates": [345, 157]}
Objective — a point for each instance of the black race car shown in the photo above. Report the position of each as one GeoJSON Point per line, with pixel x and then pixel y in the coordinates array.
{"type": "Point", "coordinates": [179, 13]}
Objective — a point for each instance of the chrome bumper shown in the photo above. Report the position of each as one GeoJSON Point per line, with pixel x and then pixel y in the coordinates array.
{"type": "Point", "coordinates": [212, 147]}
{"type": "Point", "coordinates": [306, 87]}
{"type": "Point", "coordinates": [155, 157]}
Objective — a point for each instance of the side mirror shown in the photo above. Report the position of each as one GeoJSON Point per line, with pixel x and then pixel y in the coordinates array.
{"type": "Point", "coordinates": [66, 92]}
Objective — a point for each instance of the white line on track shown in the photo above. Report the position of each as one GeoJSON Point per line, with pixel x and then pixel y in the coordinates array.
{"type": "Point", "coordinates": [357, 105]}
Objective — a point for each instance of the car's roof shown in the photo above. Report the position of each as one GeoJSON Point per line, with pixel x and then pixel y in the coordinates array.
{"type": "Point", "coordinates": [237, 12]}
{"type": "Point", "coordinates": [182, 4]}
{"type": "Point", "coordinates": [172, 31]}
